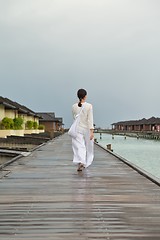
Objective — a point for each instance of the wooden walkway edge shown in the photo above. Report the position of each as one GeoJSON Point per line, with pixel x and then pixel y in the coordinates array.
{"type": "Point", "coordinates": [43, 197]}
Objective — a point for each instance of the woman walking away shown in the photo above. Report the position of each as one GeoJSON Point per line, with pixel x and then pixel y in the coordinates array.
{"type": "Point", "coordinates": [83, 144]}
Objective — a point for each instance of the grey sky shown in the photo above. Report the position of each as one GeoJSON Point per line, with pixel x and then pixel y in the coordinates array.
{"type": "Point", "coordinates": [51, 48]}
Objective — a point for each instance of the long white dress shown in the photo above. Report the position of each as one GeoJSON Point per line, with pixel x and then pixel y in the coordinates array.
{"type": "Point", "coordinates": [83, 147]}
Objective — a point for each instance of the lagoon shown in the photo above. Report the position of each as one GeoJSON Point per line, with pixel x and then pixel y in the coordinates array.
{"type": "Point", "coordinates": [143, 153]}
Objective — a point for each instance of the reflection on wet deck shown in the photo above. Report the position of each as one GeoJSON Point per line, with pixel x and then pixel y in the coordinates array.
{"type": "Point", "coordinates": [43, 197]}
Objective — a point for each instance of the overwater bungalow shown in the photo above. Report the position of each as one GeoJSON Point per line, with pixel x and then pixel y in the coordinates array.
{"type": "Point", "coordinates": [142, 125]}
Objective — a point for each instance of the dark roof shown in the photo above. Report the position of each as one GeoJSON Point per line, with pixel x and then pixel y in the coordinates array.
{"type": "Point", "coordinates": [154, 120]}
{"type": "Point", "coordinates": [143, 121]}
{"type": "Point", "coordinates": [47, 116]}
{"type": "Point", "coordinates": [130, 122]}
{"type": "Point", "coordinates": [58, 119]}
{"type": "Point", "coordinates": [14, 105]}
{"type": "Point", "coordinates": [6, 103]}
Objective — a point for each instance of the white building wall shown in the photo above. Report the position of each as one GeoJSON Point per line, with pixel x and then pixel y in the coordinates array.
{"type": "Point", "coordinates": [2, 112]}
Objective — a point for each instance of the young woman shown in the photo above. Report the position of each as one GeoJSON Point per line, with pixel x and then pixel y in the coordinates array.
{"type": "Point", "coordinates": [83, 144]}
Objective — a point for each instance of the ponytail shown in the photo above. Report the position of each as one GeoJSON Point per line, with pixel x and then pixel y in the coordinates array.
{"type": "Point", "coordinates": [80, 104]}
{"type": "Point", "coordinates": [81, 94]}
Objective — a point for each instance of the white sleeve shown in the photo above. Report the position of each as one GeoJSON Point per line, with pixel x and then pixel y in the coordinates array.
{"type": "Point", "coordinates": [90, 118]}
{"type": "Point", "coordinates": [73, 113]}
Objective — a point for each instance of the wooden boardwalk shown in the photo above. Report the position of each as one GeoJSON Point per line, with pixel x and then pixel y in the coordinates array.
{"type": "Point", "coordinates": [43, 197]}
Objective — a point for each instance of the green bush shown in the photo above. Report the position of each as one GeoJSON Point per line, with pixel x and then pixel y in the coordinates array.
{"type": "Point", "coordinates": [29, 124]}
{"type": "Point", "coordinates": [18, 123]}
{"type": "Point", "coordinates": [35, 125]}
{"type": "Point", "coordinates": [7, 123]}
{"type": "Point", "coordinates": [41, 127]}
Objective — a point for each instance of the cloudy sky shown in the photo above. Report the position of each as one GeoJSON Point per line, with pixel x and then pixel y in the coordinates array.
{"type": "Point", "coordinates": [51, 48]}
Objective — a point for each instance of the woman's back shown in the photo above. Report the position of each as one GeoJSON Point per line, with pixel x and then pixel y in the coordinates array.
{"type": "Point", "coordinates": [86, 116]}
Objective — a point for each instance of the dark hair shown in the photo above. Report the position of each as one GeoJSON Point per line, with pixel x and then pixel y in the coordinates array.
{"type": "Point", "coordinates": [81, 93]}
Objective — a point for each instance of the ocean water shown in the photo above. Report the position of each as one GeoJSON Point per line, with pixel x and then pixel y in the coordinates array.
{"type": "Point", "coordinates": [141, 152]}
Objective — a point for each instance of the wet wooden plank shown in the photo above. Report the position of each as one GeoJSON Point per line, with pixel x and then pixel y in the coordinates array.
{"type": "Point", "coordinates": [43, 197]}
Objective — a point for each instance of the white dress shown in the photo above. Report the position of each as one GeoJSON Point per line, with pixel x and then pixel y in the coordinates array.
{"type": "Point", "coordinates": [83, 147]}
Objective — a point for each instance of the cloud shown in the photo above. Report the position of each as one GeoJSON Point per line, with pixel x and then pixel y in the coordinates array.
{"type": "Point", "coordinates": [51, 48]}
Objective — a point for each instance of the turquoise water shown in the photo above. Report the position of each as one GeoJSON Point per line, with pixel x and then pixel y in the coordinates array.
{"type": "Point", "coordinates": [141, 152]}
